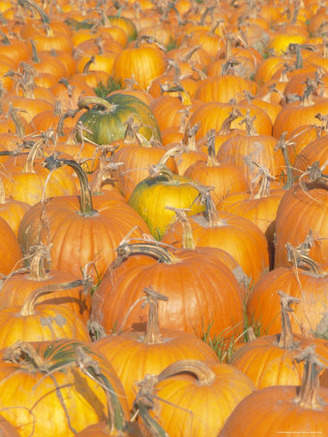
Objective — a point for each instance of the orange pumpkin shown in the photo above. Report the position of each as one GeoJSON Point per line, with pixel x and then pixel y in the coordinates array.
{"type": "Point", "coordinates": [135, 353]}
{"type": "Point", "coordinates": [52, 388]}
{"type": "Point", "coordinates": [92, 226]}
{"type": "Point", "coordinates": [207, 296]}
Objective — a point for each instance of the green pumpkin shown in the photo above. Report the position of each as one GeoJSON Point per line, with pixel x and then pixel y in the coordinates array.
{"type": "Point", "coordinates": [152, 195]}
{"type": "Point", "coordinates": [104, 120]}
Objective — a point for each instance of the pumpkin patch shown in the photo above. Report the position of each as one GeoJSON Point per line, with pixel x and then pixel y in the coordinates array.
{"type": "Point", "coordinates": [163, 239]}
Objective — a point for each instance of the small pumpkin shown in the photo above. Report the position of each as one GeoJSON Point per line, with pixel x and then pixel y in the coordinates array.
{"type": "Point", "coordinates": [154, 194]}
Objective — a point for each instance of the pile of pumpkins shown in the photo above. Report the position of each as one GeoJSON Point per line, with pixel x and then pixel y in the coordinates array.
{"type": "Point", "coordinates": [163, 218]}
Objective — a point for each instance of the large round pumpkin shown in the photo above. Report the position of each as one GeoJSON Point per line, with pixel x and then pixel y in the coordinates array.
{"type": "Point", "coordinates": [203, 294]}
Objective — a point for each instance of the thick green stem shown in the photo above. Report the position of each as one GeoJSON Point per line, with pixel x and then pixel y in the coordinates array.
{"type": "Point", "coordinates": [160, 253]}
{"type": "Point", "coordinates": [28, 308]}
{"type": "Point", "coordinates": [52, 162]}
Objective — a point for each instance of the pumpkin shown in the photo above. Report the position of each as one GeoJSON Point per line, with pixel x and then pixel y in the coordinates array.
{"type": "Point", "coordinates": [247, 151]}
{"type": "Point", "coordinates": [270, 359]}
{"type": "Point", "coordinates": [195, 398]}
{"type": "Point", "coordinates": [235, 234]}
{"type": "Point", "coordinates": [304, 279]}
{"type": "Point", "coordinates": [48, 321]}
{"type": "Point", "coordinates": [136, 161]}
{"type": "Point", "coordinates": [11, 254]}
{"type": "Point", "coordinates": [259, 204]}
{"type": "Point", "coordinates": [11, 210]}
{"type": "Point", "coordinates": [106, 117]}
{"type": "Point", "coordinates": [302, 208]}
{"type": "Point", "coordinates": [226, 178]}
{"type": "Point", "coordinates": [131, 62]}
{"type": "Point", "coordinates": [205, 297]}
{"type": "Point", "coordinates": [17, 286]}
{"type": "Point", "coordinates": [29, 181]}
{"type": "Point", "coordinates": [135, 353]}
{"type": "Point", "coordinates": [154, 194]}
{"type": "Point", "coordinates": [286, 409]}
{"type": "Point", "coordinates": [48, 388]}
{"type": "Point", "coordinates": [81, 229]}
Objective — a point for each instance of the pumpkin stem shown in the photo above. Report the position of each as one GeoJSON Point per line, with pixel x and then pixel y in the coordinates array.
{"type": "Point", "coordinates": [210, 212]}
{"type": "Point", "coordinates": [105, 176]}
{"type": "Point", "coordinates": [29, 164]}
{"type": "Point", "coordinates": [2, 193]}
{"type": "Point", "coordinates": [198, 369]}
{"type": "Point", "coordinates": [92, 369]}
{"type": "Point", "coordinates": [189, 138]}
{"type": "Point", "coordinates": [19, 127]}
{"type": "Point", "coordinates": [187, 237]}
{"type": "Point", "coordinates": [249, 123]}
{"type": "Point", "coordinates": [40, 258]}
{"type": "Point", "coordinates": [35, 56]}
{"type": "Point", "coordinates": [226, 125]}
{"type": "Point", "coordinates": [299, 255]}
{"type": "Point", "coordinates": [160, 253]}
{"type": "Point", "coordinates": [86, 68]}
{"type": "Point", "coordinates": [28, 308]}
{"type": "Point", "coordinates": [187, 56]}
{"type": "Point", "coordinates": [263, 175]}
{"type": "Point", "coordinates": [131, 130]}
{"type": "Point", "coordinates": [153, 335]}
{"type": "Point", "coordinates": [144, 402]}
{"type": "Point", "coordinates": [29, 4]}
{"type": "Point", "coordinates": [101, 104]}
{"type": "Point", "coordinates": [282, 144]}
{"type": "Point", "coordinates": [286, 340]}
{"type": "Point", "coordinates": [4, 39]}
{"type": "Point", "coordinates": [53, 162]}
{"type": "Point", "coordinates": [24, 353]}
{"type": "Point", "coordinates": [210, 141]}
{"type": "Point", "coordinates": [308, 396]}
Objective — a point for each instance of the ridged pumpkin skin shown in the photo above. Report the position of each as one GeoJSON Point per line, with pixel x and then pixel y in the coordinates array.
{"type": "Point", "coordinates": [144, 63]}
{"type": "Point", "coordinates": [263, 306]}
{"type": "Point", "coordinates": [79, 239]}
{"type": "Point", "coordinates": [202, 293]}
{"type": "Point", "coordinates": [241, 238]}
{"type": "Point", "coordinates": [107, 125]}
{"type": "Point", "coordinates": [10, 252]}
{"type": "Point", "coordinates": [57, 398]}
{"type": "Point", "coordinates": [81, 229]}
{"type": "Point", "coordinates": [275, 413]}
{"type": "Point", "coordinates": [304, 207]}
{"type": "Point", "coordinates": [267, 364]}
{"type": "Point", "coordinates": [199, 406]}
{"type": "Point", "coordinates": [133, 357]}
